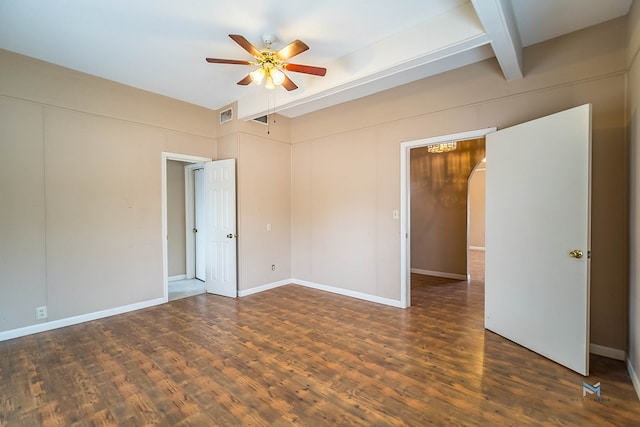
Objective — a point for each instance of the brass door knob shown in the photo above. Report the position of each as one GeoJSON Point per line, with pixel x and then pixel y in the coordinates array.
{"type": "Point", "coordinates": [576, 253]}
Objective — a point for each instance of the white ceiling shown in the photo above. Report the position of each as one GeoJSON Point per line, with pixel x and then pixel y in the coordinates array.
{"type": "Point", "coordinates": [366, 45]}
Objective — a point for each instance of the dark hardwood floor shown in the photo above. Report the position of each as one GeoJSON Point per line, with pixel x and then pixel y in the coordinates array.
{"type": "Point", "coordinates": [297, 356]}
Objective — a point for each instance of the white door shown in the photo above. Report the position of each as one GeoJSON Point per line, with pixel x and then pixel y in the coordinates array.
{"type": "Point", "coordinates": [538, 223]}
{"type": "Point", "coordinates": [220, 200]}
{"type": "Point", "coordinates": [200, 226]}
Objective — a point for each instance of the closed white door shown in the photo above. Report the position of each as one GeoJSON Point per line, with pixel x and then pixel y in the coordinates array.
{"type": "Point", "coordinates": [200, 225]}
{"type": "Point", "coordinates": [538, 235]}
{"type": "Point", "coordinates": [221, 248]}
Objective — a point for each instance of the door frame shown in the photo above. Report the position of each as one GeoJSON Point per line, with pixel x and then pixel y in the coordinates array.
{"type": "Point", "coordinates": [405, 205]}
{"type": "Point", "coordinates": [185, 158]}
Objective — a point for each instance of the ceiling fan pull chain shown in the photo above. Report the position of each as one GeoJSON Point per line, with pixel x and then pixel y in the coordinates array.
{"type": "Point", "coordinates": [268, 114]}
{"type": "Point", "coordinates": [273, 112]}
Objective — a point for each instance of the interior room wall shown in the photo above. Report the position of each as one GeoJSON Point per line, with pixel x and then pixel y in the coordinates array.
{"type": "Point", "coordinates": [439, 195]}
{"type": "Point", "coordinates": [89, 200]}
{"type": "Point", "coordinates": [22, 213]}
{"type": "Point", "coordinates": [265, 210]}
{"type": "Point", "coordinates": [346, 177]}
{"type": "Point", "coordinates": [263, 156]}
{"type": "Point", "coordinates": [477, 196]}
{"type": "Point", "coordinates": [634, 190]}
{"type": "Point", "coordinates": [176, 220]}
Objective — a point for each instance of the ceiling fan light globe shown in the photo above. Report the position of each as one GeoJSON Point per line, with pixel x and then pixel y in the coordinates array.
{"type": "Point", "coordinates": [268, 84]}
{"type": "Point", "coordinates": [277, 76]}
{"type": "Point", "coordinates": [257, 75]}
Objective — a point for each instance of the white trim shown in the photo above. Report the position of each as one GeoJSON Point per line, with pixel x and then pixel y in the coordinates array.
{"type": "Point", "coordinates": [55, 324]}
{"type": "Point", "coordinates": [405, 227]}
{"type": "Point", "coordinates": [349, 293]}
{"type": "Point", "coordinates": [405, 219]}
{"type": "Point", "coordinates": [177, 277]}
{"type": "Point", "coordinates": [163, 201]}
{"type": "Point", "coordinates": [440, 274]}
{"type": "Point", "coordinates": [611, 353]}
{"type": "Point", "coordinates": [634, 377]}
{"type": "Point", "coordinates": [325, 288]}
{"type": "Point", "coordinates": [476, 248]}
{"type": "Point", "coordinates": [262, 288]}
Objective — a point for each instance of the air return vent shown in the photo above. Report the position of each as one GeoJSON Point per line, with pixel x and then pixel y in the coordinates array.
{"type": "Point", "coordinates": [226, 115]}
{"type": "Point", "coordinates": [262, 119]}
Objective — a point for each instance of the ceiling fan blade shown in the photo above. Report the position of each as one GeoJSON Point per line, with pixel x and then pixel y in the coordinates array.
{"type": "Point", "coordinates": [227, 61]}
{"type": "Point", "coordinates": [246, 45]}
{"type": "Point", "coordinates": [288, 84]}
{"type": "Point", "coordinates": [245, 81]}
{"type": "Point", "coordinates": [307, 69]}
{"type": "Point", "coordinates": [292, 49]}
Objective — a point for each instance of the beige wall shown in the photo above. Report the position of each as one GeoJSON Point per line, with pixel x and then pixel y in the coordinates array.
{"type": "Point", "coordinates": [346, 159]}
{"type": "Point", "coordinates": [176, 221]}
{"type": "Point", "coordinates": [264, 197]}
{"type": "Point", "coordinates": [439, 191]}
{"type": "Point", "coordinates": [81, 180]}
{"type": "Point", "coordinates": [345, 188]}
{"type": "Point", "coordinates": [477, 198]}
{"type": "Point", "coordinates": [22, 213]}
{"type": "Point", "coordinates": [634, 132]}
{"type": "Point", "coordinates": [263, 156]}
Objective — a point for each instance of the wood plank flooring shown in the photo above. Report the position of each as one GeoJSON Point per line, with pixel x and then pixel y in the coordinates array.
{"type": "Point", "coordinates": [297, 356]}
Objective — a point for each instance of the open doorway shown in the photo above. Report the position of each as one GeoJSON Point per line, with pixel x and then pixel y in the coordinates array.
{"type": "Point", "coordinates": [537, 231]}
{"type": "Point", "coordinates": [442, 224]}
{"type": "Point", "coordinates": [434, 189]}
{"type": "Point", "coordinates": [178, 225]}
{"type": "Point", "coordinates": [185, 256]}
{"type": "Point", "coordinates": [220, 232]}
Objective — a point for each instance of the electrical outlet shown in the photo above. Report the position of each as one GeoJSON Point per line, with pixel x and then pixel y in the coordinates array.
{"type": "Point", "coordinates": [273, 267]}
{"type": "Point", "coordinates": [41, 312]}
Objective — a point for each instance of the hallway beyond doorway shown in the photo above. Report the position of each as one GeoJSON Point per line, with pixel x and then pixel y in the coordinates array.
{"type": "Point", "coordinates": [186, 288]}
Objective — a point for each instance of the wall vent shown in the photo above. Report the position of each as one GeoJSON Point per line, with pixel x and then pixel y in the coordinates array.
{"type": "Point", "coordinates": [226, 115]}
{"type": "Point", "coordinates": [262, 119]}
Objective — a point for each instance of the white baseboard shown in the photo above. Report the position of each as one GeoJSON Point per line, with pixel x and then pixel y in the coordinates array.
{"type": "Point", "coordinates": [262, 288]}
{"type": "Point", "coordinates": [178, 277]}
{"type": "Point", "coordinates": [477, 248]}
{"type": "Point", "coordinates": [611, 353]}
{"type": "Point", "coordinates": [55, 324]}
{"type": "Point", "coordinates": [634, 377]}
{"type": "Point", "coordinates": [340, 291]}
{"type": "Point", "coordinates": [440, 274]}
{"type": "Point", "coordinates": [349, 293]}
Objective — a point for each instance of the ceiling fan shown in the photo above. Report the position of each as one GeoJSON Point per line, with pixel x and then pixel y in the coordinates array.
{"type": "Point", "coordinates": [271, 64]}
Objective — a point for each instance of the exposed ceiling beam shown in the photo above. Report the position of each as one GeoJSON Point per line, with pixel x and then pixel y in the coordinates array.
{"type": "Point", "coordinates": [499, 22]}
